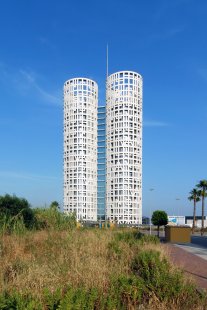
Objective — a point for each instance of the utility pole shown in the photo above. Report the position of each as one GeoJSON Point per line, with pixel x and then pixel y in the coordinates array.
{"type": "Point", "coordinates": [177, 211]}
{"type": "Point", "coordinates": [151, 189]}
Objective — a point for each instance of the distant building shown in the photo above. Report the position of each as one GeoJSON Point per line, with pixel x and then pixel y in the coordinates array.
{"type": "Point", "coordinates": [145, 220]}
{"type": "Point", "coordinates": [103, 149]}
{"type": "Point", "coordinates": [176, 219]}
{"type": "Point", "coordinates": [198, 221]}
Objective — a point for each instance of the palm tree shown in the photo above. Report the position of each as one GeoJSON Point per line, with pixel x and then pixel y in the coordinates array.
{"type": "Point", "coordinates": [202, 185]}
{"type": "Point", "coordinates": [195, 196]}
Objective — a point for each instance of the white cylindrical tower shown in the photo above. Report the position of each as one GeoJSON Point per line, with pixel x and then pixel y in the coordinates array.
{"type": "Point", "coordinates": [80, 148]}
{"type": "Point", "coordinates": [124, 148]}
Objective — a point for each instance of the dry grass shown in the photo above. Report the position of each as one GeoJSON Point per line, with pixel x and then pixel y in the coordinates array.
{"type": "Point", "coordinates": [53, 259]}
{"type": "Point", "coordinates": [89, 258]}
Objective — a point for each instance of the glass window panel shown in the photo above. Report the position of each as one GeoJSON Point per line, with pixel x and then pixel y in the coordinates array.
{"type": "Point", "coordinates": [101, 109]}
{"type": "Point", "coordinates": [101, 166]}
{"type": "Point", "coordinates": [101, 127]}
{"type": "Point", "coordinates": [101, 143]}
{"type": "Point", "coordinates": [101, 156]}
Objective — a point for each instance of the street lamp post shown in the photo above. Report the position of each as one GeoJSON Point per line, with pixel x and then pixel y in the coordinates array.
{"type": "Point", "coordinates": [177, 211]}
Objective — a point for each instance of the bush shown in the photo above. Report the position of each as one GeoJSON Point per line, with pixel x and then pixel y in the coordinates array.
{"type": "Point", "coordinates": [114, 250]}
{"type": "Point", "coordinates": [18, 301]}
{"type": "Point", "coordinates": [136, 237]}
{"type": "Point", "coordinates": [52, 218]}
{"type": "Point", "coordinates": [149, 239]}
{"type": "Point", "coordinates": [159, 278]}
{"type": "Point", "coordinates": [126, 292]}
{"type": "Point", "coordinates": [15, 207]}
{"type": "Point", "coordinates": [12, 225]}
{"type": "Point", "coordinates": [130, 237]}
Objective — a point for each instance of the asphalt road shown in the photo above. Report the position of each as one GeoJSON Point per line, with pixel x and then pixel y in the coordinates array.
{"type": "Point", "coordinates": [199, 240]}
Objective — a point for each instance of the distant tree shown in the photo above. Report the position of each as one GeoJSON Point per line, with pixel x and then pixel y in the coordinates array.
{"type": "Point", "coordinates": [159, 218]}
{"type": "Point", "coordinates": [195, 196]}
{"type": "Point", "coordinates": [202, 185]}
{"type": "Point", "coordinates": [55, 205]}
{"type": "Point", "coordinates": [13, 206]}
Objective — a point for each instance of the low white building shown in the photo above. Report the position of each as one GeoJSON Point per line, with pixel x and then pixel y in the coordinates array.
{"type": "Point", "coordinates": [186, 220]}
{"type": "Point", "coordinates": [176, 219]}
{"type": "Point", "coordinates": [198, 221]}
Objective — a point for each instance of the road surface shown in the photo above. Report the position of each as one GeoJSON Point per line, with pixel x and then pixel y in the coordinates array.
{"type": "Point", "coordinates": [198, 240]}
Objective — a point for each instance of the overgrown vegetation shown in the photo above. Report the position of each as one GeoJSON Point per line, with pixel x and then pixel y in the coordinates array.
{"type": "Point", "coordinates": [48, 263]}
{"type": "Point", "coordinates": [89, 269]}
{"type": "Point", "coordinates": [16, 217]}
{"type": "Point", "coordinates": [12, 209]}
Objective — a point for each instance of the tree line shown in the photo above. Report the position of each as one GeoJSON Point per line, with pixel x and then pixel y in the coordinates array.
{"type": "Point", "coordinates": [199, 192]}
{"type": "Point", "coordinates": [16, 215]}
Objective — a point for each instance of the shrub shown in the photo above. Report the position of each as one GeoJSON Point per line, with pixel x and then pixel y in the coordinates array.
{"type": "Point", "coordinates": [149, 239]}
{"type": "Point", "coordinates": [114, 250]}
{"type": "Point", "coordinates": [15, 225]}
{"type": "Point", "coordinates": [52, 218]}
{"type": "Point", "coordinates": [136, 237]}
{"type": "Point", "coordinates": [127, 291]}
{"type": "Point", "coordinates": [14, 300]}
{"type": "Point", "coordinates": [159, 278]}
{"type": "Point", "coordinates": [72, 298]}
{"type": "Point", "coordinates": [11, 206]}
{"type": "Point", "coordinates": [129, 237]}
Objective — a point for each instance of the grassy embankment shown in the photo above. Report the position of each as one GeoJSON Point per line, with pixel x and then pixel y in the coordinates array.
{"type": "Point", "coordinates": [90, 269]}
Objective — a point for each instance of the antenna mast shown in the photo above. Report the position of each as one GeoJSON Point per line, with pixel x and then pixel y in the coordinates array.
{"type": "Point", "coordinates": [107, 60]}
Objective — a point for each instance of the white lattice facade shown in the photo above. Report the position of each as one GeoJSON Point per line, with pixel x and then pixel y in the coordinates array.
{"type": "Point", "coordinates": [124, 148]}
{"type": "Point", "coordinates": [80, 148]}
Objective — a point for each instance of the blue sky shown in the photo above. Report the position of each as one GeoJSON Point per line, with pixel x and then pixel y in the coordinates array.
{"type": "Point", "coordinates": [44, 43]}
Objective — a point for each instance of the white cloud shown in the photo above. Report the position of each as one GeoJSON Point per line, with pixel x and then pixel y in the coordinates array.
{"type": "Point", "coordinates": [154, 124]}
{"type": "Point", "coordinates": [26, 176]}
{"type": "Point", "coordinates": [26, 82]}
{"type": "Point", "coordinates": [49, 97]}
{"type": "Point", "coordinates": [167, 34]}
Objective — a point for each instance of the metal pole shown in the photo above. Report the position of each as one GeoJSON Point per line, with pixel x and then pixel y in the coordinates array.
{"type": "Point", "coordinates": [107, 61]}
{"type": "Point", "coordinates": [178, 210]}
{"type": "Point", "coordinates": [151, 189]}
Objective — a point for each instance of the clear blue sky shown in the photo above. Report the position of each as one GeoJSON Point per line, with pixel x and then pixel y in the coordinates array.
{"type": "Point", "coordinates": [43, 43]}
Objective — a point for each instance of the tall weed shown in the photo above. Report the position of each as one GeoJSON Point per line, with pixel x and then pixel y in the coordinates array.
{"type": "Point", "coordinates": [52, 218]}
{"type": "Point", "coordinates": [165, 282]}
{"type": "Point", "coordinates": [12, 225]}
{"type": "Point", "coordinates": [89, 269]}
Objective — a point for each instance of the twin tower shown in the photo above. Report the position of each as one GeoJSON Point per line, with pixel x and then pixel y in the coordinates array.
{"type": "Point", "coordinates": [103, 149]}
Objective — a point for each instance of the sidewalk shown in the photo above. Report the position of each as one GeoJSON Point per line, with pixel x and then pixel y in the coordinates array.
{"type": "Point", "coordinates": [192, 259]}
{"type": "Point", "coordinates": [194, 249]}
